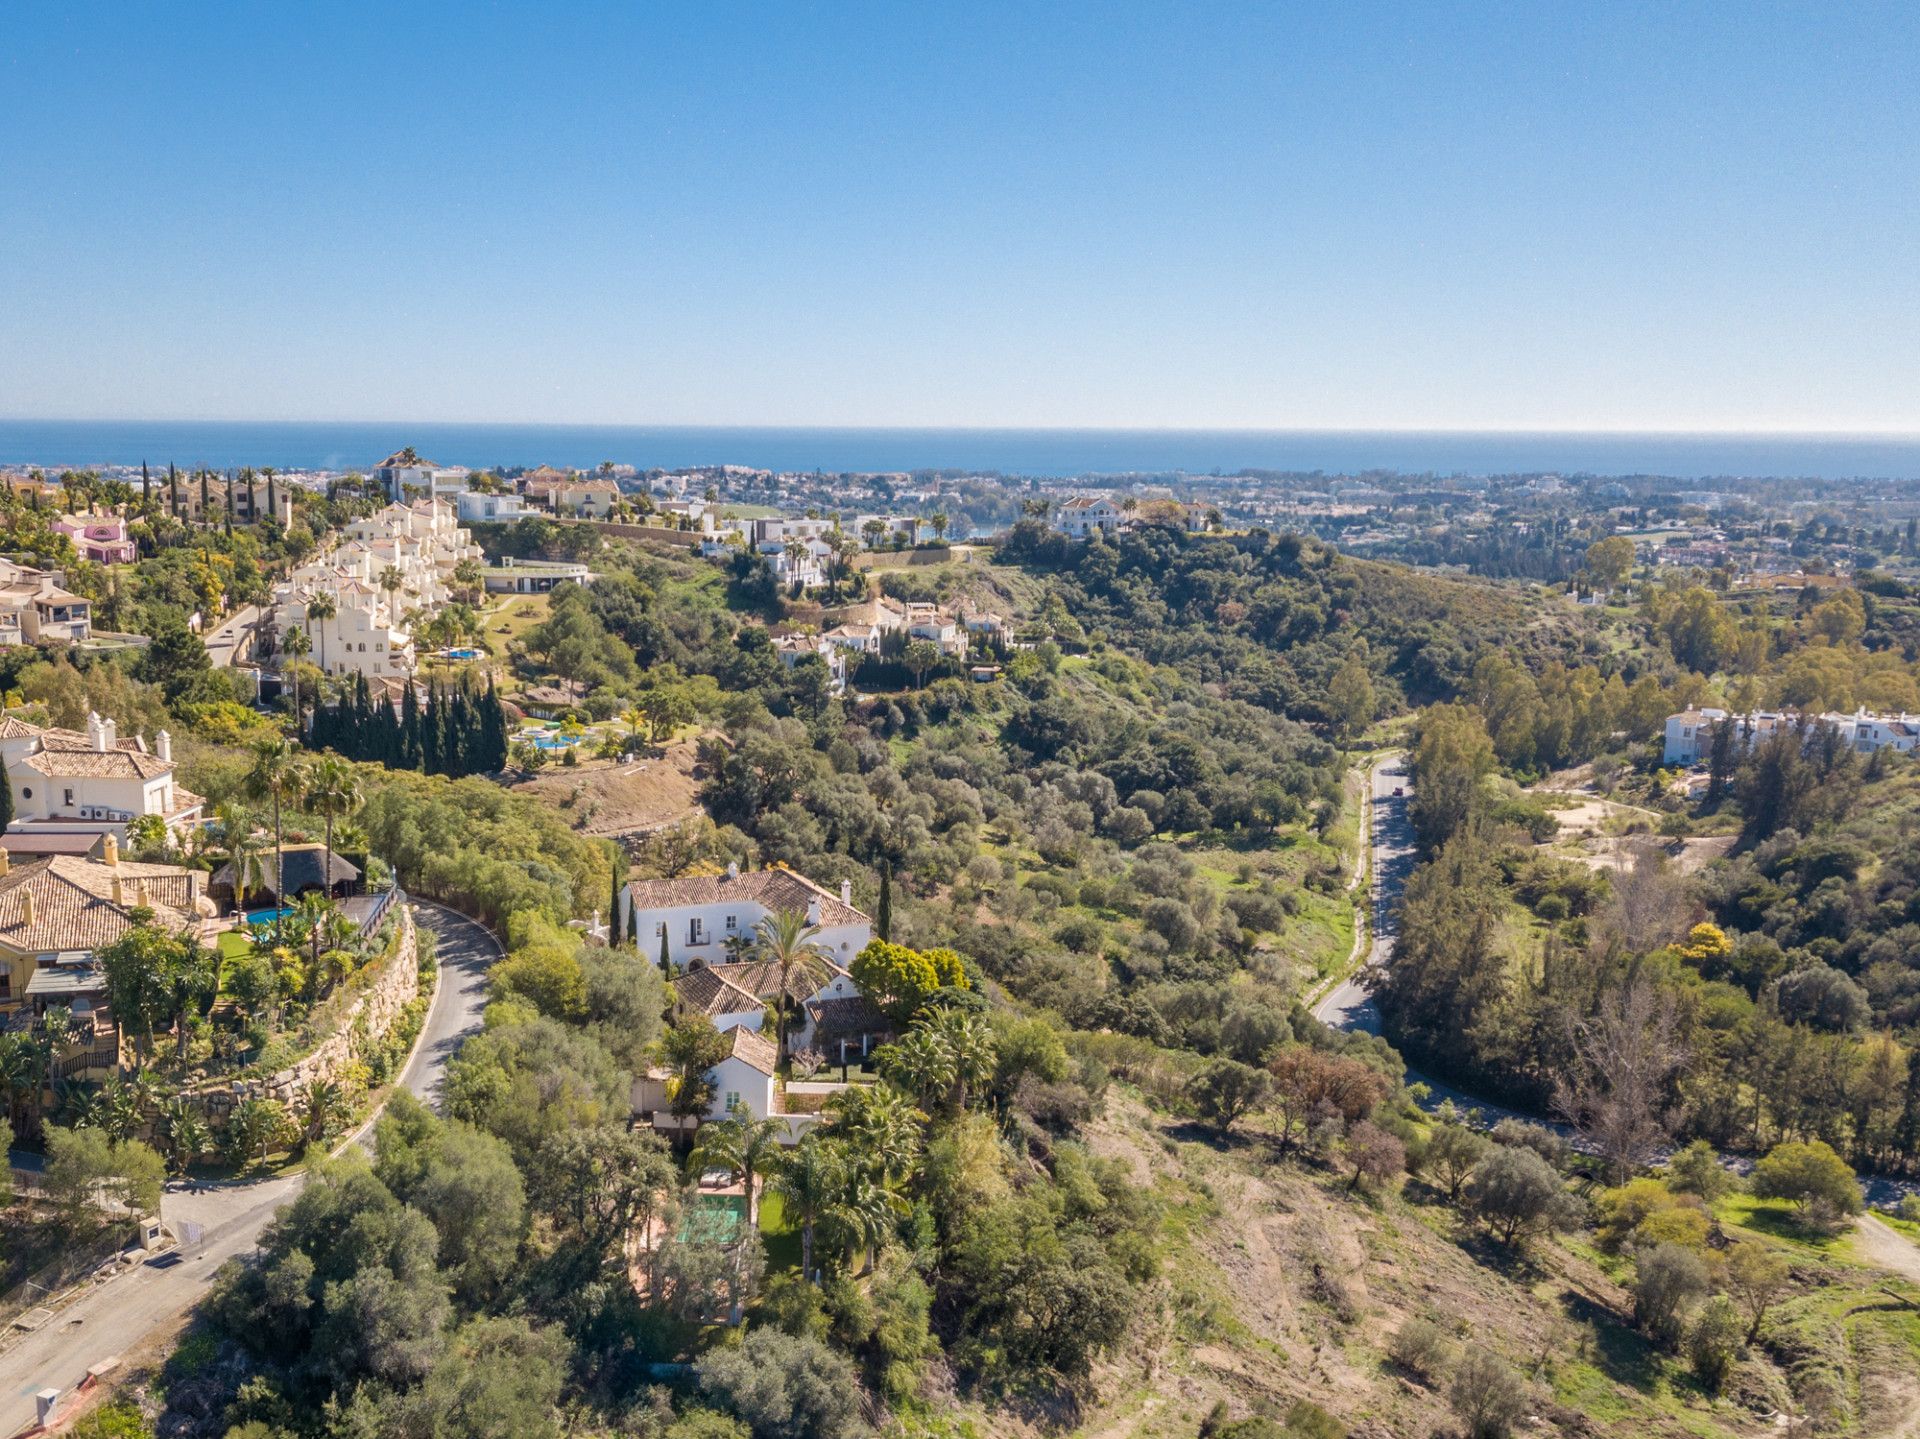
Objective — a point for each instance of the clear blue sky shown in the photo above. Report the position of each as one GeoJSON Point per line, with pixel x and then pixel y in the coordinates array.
{"type": "Point", "coordinates": [1472, 215]}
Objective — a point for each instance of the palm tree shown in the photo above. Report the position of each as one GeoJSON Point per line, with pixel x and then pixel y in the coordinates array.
{"type": "Point", "coordinates": [246, 854]}
{"type": "Point", "coordinates": [184, 1132]}
{"type": "Point", "coordinates": [276, 776]}
{"type": "Point", "coordinates": [717, 1146]}
{"type": "Point", "coordinates": [320, 609]}
{"type": "Point", "coordinates": [882, 1125]}
{"type": "Point", "coordinates": [809, 1182]}
{"type": "Point", "coordinates": [19, 1073]}
{"type": "Point", "coordinates": [325, 1100]}
{"type": "Point", "coordinates": [864, 1214]}
{"type": "Point", "coordinates": [391, 580]}
{"type": "Point", "coordinates": [786, 939]}
{"type": "Point", "coordinates": [746, 1146]}
{"type": "Point", "coordinates": [334, 790]}
{"type": "Point", "coordinates": [311, 912]}
{"type": "Point", "coordinates": [971, 1042]}
{"type": "Point", "coordinates": [920, 1062]}
{"type": "Point", "coordinates": [940, 523]}
{"type": "Point", "coordinates": [296, 646]}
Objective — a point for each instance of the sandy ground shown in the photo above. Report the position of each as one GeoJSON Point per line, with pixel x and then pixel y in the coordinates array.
{"type": "Point", "coordinates": [605, 799]}
{"type": "Point", "coordinates": [1882, 1245]}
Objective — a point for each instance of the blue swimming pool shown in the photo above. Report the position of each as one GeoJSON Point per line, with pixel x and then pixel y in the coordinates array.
{"type": "Point", "coordinates": [542, 741]}
{"type": "Point", "coordinates": [265, 916]}
{"type": "Point", "coordinates": [463, 654]}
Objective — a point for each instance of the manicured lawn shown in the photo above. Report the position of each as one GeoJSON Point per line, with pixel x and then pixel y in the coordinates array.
{"type": "Point", "coordinates": [782, 1239]}
{"type": "Point", "coordinates": [233, 943]}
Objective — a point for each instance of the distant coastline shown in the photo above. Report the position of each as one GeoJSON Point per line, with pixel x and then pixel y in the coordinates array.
{"type": "Point", "coordinates": [81, 444]}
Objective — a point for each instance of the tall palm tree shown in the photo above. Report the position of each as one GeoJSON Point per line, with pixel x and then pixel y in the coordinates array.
{"type": "Point", "coordinates": [276, 776]}
{"type": "Point", "coordinates": [246, 853]}
{"type": "Point", "coordinates": [391, 580]}
{"type": "Point", "coordinates": [320, 609]}
{"type": "Point", "coordinates": [811, 1179]}
{"type": "Point", "coordinates": [296, 647]}
{"type": "Point", "coordinates": [312, 911]}
{"type": "Point", "coordinates": [19, 1073]}
{"type": "Point", "coordinates": [334, 790]}
{"type": "Point", "coordinates": [920, 1062]}
{"type": "Point", "coordinates": [786, 939]}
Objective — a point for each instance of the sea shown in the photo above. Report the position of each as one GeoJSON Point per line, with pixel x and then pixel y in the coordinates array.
{"type": "Point", "coordinates": [1024, 453]}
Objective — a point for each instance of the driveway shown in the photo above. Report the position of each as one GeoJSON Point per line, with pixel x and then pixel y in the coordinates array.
{"type": "Point", "coordinates": [225, 1219]}
{"type": "Point", "coordinates": [231, 643]}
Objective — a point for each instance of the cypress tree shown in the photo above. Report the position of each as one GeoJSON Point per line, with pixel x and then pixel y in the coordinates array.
{"type": "Point", "coordinates": [173, 490]}
{"type": "Point", "coordinates": [431, 732]}
{"type": "Point", "coordinates": [6, 798]}
{"type": "Point", "coordinates": [409, 729]}
{"type": "Point", "coordinates": [613, 909]}
{"type": "Point", "coordinates": [229, 502]}
{"type": "Point", "coordinates": [496, 727]}
{"type": "Point", "coordinates": [666, 964]}
{"type": "Point", "coordinates": [205, 504]}
{"type": "Point", "coordinates": [883, 912]}
{"type": "Point", "coordinates": [146, 486]}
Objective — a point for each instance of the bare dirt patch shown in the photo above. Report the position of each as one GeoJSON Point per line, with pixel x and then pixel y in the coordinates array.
{"type": "Point", "coordinates": [608, 800]}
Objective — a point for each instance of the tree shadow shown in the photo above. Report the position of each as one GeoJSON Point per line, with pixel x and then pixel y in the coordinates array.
{"type": "Point", "coordinates": [1621, 1354]}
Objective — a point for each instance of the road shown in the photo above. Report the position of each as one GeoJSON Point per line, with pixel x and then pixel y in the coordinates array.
{"type": "Point", "coordinates": [1351, 1007]}
{"type": "Point", "coordinates": [229, 644]}
{"type": "Point", "coordinates": [229, 1216]}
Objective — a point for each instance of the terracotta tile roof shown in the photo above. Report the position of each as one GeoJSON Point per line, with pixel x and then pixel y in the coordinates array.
{"type": "Point", "coordinates": [854, 1016]}
{"type": "Point", "coordinates": [96, 764]}
{"type": "Point", "coordinates": [771, 889]}
{"type": "Point", "coordinates": [51, 737]}
{"type": "Point", "coordinates": [758, 1052]}
{"type": "Point", "coordinates": [707, 991]}
{"type": "Point", "coordinates": [761, 977]}
{"type": "Point", "coordinates": [73, 904]}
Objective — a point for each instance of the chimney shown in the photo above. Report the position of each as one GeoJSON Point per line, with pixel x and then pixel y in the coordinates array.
{"type": "Point", "coordinates": [846, 893]}
{"type": "Point", "coordinates": [163, 746]}
{"type": "Point", "coordinates": [110, 850]}
{"type": "Point", "coordinates": [110, 732]}
{"type": "Point", "coordinates": [813, 911]}
{"type": "Point", "coordinates": [3, 863]}
{"type": "Point", "coordinates": [96, 736]}
{"type": "Point", "coordinates": [119, 892]}
{"type": "Point", "coordinates": [26, 906]}
{"type": "Point", "coordinates": [733, 869]}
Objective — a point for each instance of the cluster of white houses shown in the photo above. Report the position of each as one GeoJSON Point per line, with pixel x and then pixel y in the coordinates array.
{"type": "Point", "coordinates": [352, 601]}
{"type": "Point", "coordinates": [867, 628]}
{"type": "Point", "coordinates": [704, 925]}
{"type": "Point", "coordinates": [1689, 738]}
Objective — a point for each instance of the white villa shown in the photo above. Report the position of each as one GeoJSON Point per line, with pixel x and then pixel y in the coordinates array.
{"type": "Point", "coordinates": [403, 468]}
{"type": "Point", "coordinates": [697, 914]}
{"type": "Point", "coordinates": [477, 508]}
{"type": "Point", "coordinates": [862, 627]}
{"type": "Point", "coordinates": [417, 544]}
{"type": "Point", "coordinates": [70, 788]}
{"type": "Point", "coordinates": [1689, 738]}
{"type": "Point", "coordinates": [1083, 516]}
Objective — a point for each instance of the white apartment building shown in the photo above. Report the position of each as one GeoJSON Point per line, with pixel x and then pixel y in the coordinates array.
{"type": "Point", "coordinates": [404, 467]}
{"type": "Point", "coordinates": [387, 564]}
{"type": "Point", "coordinates": [1689, 737]}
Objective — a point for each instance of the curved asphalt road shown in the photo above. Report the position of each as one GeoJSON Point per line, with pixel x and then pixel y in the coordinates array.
{"type": "Point", "coordinates": [229, 1216]}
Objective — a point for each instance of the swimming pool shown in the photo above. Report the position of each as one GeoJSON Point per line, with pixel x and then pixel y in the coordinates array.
{"type": "Point", "coordinates": [541, 741]}
{"type": "Point", "coordinates": [463, 654]}
{"type": "Point", "coordinates": [266, 916]}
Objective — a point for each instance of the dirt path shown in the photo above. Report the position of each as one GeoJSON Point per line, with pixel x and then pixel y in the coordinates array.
{"type": "Point", "coordinates": [1881, 1244]}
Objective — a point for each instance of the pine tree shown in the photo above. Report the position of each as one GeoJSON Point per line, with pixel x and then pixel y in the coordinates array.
{"type": "Point", "coordinates": [883, 912]}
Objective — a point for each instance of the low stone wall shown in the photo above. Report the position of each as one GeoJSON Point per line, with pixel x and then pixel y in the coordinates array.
{"type": "Point", "coordinates": [366, 1022]}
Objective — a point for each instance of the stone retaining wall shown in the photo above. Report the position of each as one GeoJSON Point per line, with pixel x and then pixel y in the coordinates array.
{"type": "Point", "coordinates": [366, 1022]}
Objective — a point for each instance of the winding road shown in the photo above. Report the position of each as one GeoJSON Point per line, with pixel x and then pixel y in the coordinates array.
{"type": "Point", "coordinates": [224, 1220]}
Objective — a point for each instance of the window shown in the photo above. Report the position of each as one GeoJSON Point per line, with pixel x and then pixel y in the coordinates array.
{"type": "Point", "coordinates": [696, 931]}
{"type": "Point", "coordinates": [733, 1101]}
{"type": "Point", "coordinates": [69, 798]}
{"type": "Point", "coordinates": [731, 925]}
{"type": "Point", "coordinates": [660, 930]}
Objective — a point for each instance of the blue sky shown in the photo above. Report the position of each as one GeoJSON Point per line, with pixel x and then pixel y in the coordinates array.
{"type": "Point", "coordinates": [1536, 215]}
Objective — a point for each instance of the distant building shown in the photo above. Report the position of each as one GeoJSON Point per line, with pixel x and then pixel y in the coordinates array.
{"type": "Point", "coordinates": [1084, 516]}
{"type": "Point", "coordinates": [587, 499]}
{"type": "Point", "coordinates": [36, 607]}
{"type": "Point", "coordinates": [102, 539]}
{"type": "Point", "coordinates": [533, 577]}
{"type": "Point", "coordinates": [474, 507]}
{"type": "Point", "coordinates": [405, 467]}
{"type": "Point", "coordinates": [95, 783]}
{"type": "Point", "coordinates": [1689, 736]}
